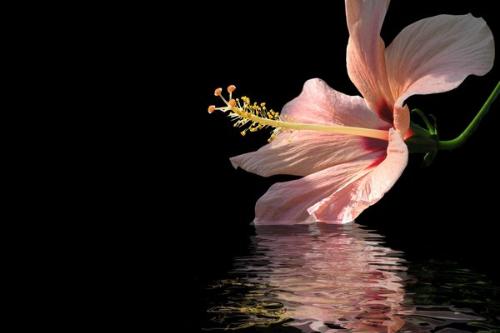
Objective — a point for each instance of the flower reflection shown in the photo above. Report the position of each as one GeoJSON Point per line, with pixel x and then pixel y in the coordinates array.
{"type": "Point", "coordinates": [317, 278]}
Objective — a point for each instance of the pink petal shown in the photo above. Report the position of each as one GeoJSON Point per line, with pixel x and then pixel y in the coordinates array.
{"type": "Point", "coordinates": [348, 202]}
{"type": "Point", "coordinates": [304, 152]}
{"type": "Point", "coordinates": [365, 54]}
{"type": "Point", "coordinates": [437, 53]}
{"type": "Point", "coordinates": [301, 153]}
{"type": "Point", "coordinates": [287, 202]}
{"type": "Point", "coordinates": [402, 119]}
{"type": "Point", "coordinates": [318, 103]}
{"type": "Point", "coordinates": [337, 194]}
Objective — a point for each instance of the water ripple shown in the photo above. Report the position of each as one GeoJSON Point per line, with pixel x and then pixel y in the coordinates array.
{"type": "Point", "coordinates": [343, 279]}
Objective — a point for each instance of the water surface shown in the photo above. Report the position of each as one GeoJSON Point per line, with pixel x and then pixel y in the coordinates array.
{"type": "Point", "coordinates": [324, 278]}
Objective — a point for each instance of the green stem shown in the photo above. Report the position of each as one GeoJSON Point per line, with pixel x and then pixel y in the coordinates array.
{"type": "Point", "coordinates": [462, 138]}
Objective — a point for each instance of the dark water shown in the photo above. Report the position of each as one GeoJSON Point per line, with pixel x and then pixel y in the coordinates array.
{"type": "Point", "coordinates": [344, 279]}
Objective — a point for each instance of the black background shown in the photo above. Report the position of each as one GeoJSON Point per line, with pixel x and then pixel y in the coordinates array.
{"type": "Point", "coordinates": [448, 210]}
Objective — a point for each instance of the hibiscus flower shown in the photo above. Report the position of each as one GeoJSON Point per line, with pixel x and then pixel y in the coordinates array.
{"type": "Point", "coordinates": [350, 150]}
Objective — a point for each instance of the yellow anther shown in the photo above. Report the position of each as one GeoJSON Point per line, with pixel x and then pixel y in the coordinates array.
{"type": "Point", "coordinates": [231, 88]}
{"type": "Point", "coordinates": [211, 108]}
{"type": "Point", "coordinates": [218, 92]}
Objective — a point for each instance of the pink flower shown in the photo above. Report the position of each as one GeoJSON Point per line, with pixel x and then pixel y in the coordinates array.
{"type": "Point", "coordinates": [344, 174]}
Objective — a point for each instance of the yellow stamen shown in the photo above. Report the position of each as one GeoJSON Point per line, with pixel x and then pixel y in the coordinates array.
{"type": "Point", "coordinates": [338, 129]}
{"type": "Point", "coordinates": [256, 116]}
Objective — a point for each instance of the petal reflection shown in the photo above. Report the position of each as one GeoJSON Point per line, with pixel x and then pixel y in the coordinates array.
{"type": "Point", "coordinates": [323, 278]}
